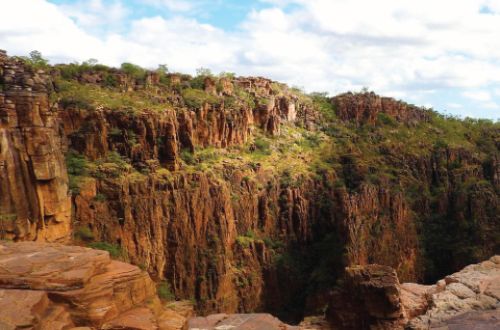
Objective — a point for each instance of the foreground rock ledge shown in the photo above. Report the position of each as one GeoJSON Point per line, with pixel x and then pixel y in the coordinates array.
{"type": "Point", "coordinates": [52, 286]}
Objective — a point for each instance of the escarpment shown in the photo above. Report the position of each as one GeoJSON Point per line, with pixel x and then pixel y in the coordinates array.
{"type": "Point", "coordinates": [34, 200]}
{"type": "Point", "coordinates": [247, 195]}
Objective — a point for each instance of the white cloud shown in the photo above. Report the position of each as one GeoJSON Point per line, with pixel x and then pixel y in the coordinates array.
{"type": "Point", "coordinates": [399, 47]}
{"type": "Point", "coordinates": [478, 95]}
{"type": "Point", "coordinates": [95, 14]}
{"type": "Point", "coordinates": [454, 105]}
{"type": "Point", "coordinates": [491, 105]}
{"type": "Point", "coordinates": [173, 5]}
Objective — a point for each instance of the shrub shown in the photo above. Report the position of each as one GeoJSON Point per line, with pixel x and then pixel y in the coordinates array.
{"type": "Point", "coordinates": [77, 166]}
{"type": "Point", "coordinates": [262, 145]}
{"type": "Point", "coordinates": [188, 157]}
{"type": "Point", "coordinates": [165, 292]}
{"type": "Point", "coordinates": [134, 71]}
{"type": "Point", "coordinates": [196, 98]}
{"type": "Point", "coordinates": [100, 197]}
{"type": "Point", "coordinates": [84, 233]}
{"type": "Point", "coordinates": [386, 119]}
{"type": "Point", "coordinates": [8, 217]}
{"type": "Point", "coordinates": [244, 241]}
{"type": "Point", "coordinates": [36, 60]}
{"type": "Point", "coordinates": [115, 251]}
{"type": "Point", "coordinates": [110, 81]}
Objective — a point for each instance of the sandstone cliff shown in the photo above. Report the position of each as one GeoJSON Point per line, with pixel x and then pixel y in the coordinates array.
{"type": "Point", "coordinates": [247, 195]}
{"type": "Point", "coordinates": [34, 199]}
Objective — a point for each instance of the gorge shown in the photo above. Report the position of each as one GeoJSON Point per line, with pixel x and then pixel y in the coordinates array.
{"type": "Point", "coordinates": [242, 194]}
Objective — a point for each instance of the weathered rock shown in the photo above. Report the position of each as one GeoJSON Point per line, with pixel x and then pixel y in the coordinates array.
{"type": "Point", "coordinates": [364, 108]}
{"type": "Point", "coordinates": [238, 321]}
{"type": "Point", "coordinates": [34, 200]}
{"type": "Point", "coordinates": [76, 284]}
{"type": "Point", "coordinates": [474, 288]}
{"type": "Point", "coordinates": [370, 297]}
{"type": "Point", "coordinates": [28, 309]}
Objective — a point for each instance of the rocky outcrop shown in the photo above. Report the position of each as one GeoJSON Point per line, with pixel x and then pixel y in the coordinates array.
{"type": "Point", "coordinates": [365, 107]}
{"type": "Point", "coordinates": [370, 297]}
{"type": "Point", "coordinates": [34, 200]}
{"type": "Point", "coordinates": [66, 285]}
{"type": "Point", "coordinates": [470, 294]}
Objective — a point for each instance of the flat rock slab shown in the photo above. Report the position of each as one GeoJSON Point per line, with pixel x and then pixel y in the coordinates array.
{"type": "Point", "coordinates": [238, 322]}
{"type": "Point", "coordinates": [50, 267]}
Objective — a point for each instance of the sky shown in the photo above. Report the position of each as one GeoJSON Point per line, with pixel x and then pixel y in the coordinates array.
{"type": "Point", "coordinates": [443, 54]}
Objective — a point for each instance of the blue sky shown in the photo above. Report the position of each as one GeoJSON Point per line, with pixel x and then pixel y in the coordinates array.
{"type": "Point", "coordinates": [442, 54]}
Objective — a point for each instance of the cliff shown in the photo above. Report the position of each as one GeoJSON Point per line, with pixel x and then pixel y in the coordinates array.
{"type": "Point", "coordinates": [34, 200]}
{"type": "Point", "coordinates": [245, 194]}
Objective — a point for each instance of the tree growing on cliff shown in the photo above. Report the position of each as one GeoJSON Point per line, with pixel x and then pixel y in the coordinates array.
{"type": "Point", "coordinates": [35, 60]}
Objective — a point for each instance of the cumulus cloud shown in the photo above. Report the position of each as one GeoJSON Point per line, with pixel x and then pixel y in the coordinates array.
{"type": "Point", "coordinates": [406, 49]}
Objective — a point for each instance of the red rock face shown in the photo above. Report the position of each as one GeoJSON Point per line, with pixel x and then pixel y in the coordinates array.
{"type": "Point", "coordinates": [185, 227]}
{"type": "Point", "coordinates": [34, 201]}
{"type": "Point", "coordinates": [364, 108]}
{"type": "Point", "coordinates": [369, 298]}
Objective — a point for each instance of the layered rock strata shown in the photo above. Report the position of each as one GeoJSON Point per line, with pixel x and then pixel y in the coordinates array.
{"type": "Point", "coordinates": [34, 199]}
{"type": "Point", "coordinates": [50, 286]}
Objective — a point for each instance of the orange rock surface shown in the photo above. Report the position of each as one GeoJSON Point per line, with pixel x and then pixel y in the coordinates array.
{"type": "Point", "coordinates": [76, 286]}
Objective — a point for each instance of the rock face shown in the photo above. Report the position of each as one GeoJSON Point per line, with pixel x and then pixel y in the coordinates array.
{"type": "Point", "coordinates": [231, 237]}
{"type": "Point", "coordinates": [371, 297]}
{"type": "Point", "coordinates": [34, 200]}
{"type": "Point", "coordinates": [66, 285]}
{"type": "Point", "coordinates": [365, 107]}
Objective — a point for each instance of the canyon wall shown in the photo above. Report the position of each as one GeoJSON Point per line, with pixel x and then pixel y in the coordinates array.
{"type": "Point", "coordinates": [34, 199]}
{"type": "Point", "coordinates": [238, 236]}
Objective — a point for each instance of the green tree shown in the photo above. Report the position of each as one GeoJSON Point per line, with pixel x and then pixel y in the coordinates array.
{"type": "Point", "coordinates": [203, 72]}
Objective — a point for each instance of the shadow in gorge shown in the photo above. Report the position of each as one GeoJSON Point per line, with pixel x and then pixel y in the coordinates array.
{"type": "Point", "coordinates": [298, 282]}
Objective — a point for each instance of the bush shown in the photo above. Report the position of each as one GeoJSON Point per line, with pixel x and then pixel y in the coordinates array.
{"type": "Point", "coordinates": [386, 119]}
{"type": "Point", "coordinates": [115, 251]}
{"type": "Point", "coordinates": [188, 157]}
{"type": "Point", "coordinates": [76, 163]}
{"type": "Point", "coordinates": [262, 145]}
{"type": "Point", "coordinates": [196, 98]}
{"type": "Point", "coordinates": [84, 233]}
{"type": "Point", "coordinates": [165, 292]}
{"type": "Point", "coordinates": [100, 197]}
{"type": "Point", "coordinates": [244, 241]}
{"type": "Point", "coordinates": [134, 71]}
